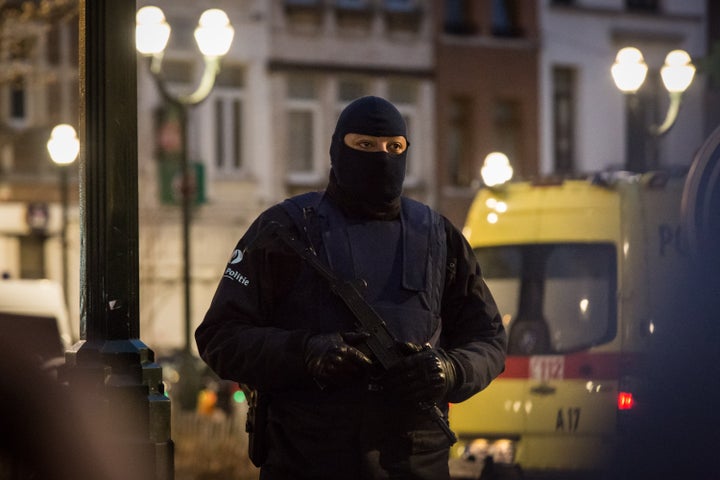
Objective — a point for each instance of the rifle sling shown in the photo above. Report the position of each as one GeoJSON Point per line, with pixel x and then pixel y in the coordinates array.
{"type": "Point", "coordinates": [381, 341]}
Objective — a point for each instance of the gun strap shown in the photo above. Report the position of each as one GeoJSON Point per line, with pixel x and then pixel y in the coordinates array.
{"type": "Point", "coordinates": [381, 343]}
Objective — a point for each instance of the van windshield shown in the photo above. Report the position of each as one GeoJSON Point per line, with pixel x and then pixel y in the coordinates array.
{"type": "Point", "coordinates": [554, 298]}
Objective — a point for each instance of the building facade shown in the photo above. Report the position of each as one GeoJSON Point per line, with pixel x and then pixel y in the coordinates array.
{"type": "Point", "coordinates": [38, 90]}
{"type": "Point", "coordinates": [586, 123]}
{"type": "Point", "coordinates": [486, 81]}
{"type": "Point", "coordinates": [529, 79]}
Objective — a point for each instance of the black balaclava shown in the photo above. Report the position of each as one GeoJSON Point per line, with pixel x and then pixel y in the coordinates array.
{"type": "Point", "coordinates": [367, 184]}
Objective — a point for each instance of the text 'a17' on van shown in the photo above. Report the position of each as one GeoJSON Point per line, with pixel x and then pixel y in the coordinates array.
{"type": "Point", "coordinates": [34, 320]}
{"type": "Point", "coordinates": [579, 270]}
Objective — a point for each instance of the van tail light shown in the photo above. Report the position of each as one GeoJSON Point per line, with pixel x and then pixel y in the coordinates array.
{"type": "Point", "coordinates": [629, 411]}
{"type": "Point", "coordinates": [625, 401]}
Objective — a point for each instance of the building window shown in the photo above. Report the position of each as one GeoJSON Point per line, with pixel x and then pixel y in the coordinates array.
{"type": "Point", "coordinates": [642, 5]}
{"type": "Point", "coordinates": [459, 146]}
{"type": "Point", "coordinates": [356, 15]}
{"type": "Point", "coordinates": [402, 15]}
{"type": "Point", "coordinates": [304, 13]}
{"type": "Point", "coordinates": [54, 44]}
{"type": "Point", "coordinates": [301, 3]}
{"type": "Point", "coordinates": [32, 256]}
{"type": "Point", "coordinates": [228, 133]}
{"type": "Point", "coordinates": [228, 117]}
{"type": "Point", "coordinates": [458, 18]}
{"type": "Point", "coordinates": [563, 121]}
{"type": "Point", "coordinates": [401, 6]}
{"type": "Point", "coordinates": [350, 89]}
{"type": "Point", "coordinates": [231, 76]}
{"type": "Point", "coordinates": [352, 4]}
{"type": "Point", "coordinates": [301, 131]}
{"type": "Point", "coordinates": [302, 120]}
{"type": "Point", "coordinates": [505, 18]}
{"type": "Point", "coordinates": [302, 88]}
{"type": "Point", "coordinates": [403, 92]}
{"type": "Point", "coordinates": [17, 101]}
{"type": "Point", "coordinates": [404, 95]}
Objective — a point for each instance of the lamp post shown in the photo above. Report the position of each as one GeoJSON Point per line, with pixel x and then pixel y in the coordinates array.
{"type": "Point", "coordinates": [111, 372]}
{"type": "Point", "coordinates": [64, 147]}
{"type": "Point", "coordinates": [629, 72]}
{"type": "Point", "coordinates": [213, 35]}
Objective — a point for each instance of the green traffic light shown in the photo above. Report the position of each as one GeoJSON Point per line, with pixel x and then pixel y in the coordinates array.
{"type": "Point", "coordinates": [239, 396]}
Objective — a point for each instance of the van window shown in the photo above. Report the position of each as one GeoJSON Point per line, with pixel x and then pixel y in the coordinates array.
{"type": "Point", "coordinates": [556, 298]}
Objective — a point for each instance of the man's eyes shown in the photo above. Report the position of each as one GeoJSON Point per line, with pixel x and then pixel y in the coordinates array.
{"type": "Point", "coordinates": [394, 147]}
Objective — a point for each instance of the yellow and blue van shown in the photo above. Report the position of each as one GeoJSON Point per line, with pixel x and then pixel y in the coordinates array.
{"type": "Point", "coordinates": [578, 269]}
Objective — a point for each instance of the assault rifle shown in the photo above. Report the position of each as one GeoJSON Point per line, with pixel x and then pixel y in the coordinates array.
{"type": "Point", "coordinates": [380, 342]}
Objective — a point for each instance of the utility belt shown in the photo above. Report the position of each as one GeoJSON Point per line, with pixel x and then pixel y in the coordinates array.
{"type": "Point", "coordinates": [368, 394]}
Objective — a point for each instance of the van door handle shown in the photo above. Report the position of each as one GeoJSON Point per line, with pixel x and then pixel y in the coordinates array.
{"type": "Point", "coordinates": [543, 389]}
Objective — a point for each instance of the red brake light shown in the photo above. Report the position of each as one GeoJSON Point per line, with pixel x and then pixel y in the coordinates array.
{"type": "Point", "coordinates": [625, 401]}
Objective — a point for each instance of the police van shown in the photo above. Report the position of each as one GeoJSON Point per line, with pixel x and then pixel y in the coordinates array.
{"type": "Point", "coordinates": [578, 269]}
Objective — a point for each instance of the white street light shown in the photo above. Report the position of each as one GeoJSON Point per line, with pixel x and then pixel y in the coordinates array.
{"type": "Point", "coordinates": [63, 147]}
{"type": "Point", "coordinates": [213, 35]}
{"type": "Point", "coordinates": [496, 169]}
{"type": "Point", "coordinates": [152, 31]}
{"type": "Point", "coordinates": [629, 72]}
{"type": "Point", "coordinates": [678, 71]}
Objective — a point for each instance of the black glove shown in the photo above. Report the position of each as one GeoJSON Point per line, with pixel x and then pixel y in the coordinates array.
{"type": "Point", "coordinates": [332, 358]}
{"type": "Point", "coordinates": [424, 375]}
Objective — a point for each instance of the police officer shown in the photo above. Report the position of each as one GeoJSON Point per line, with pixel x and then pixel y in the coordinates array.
{"type": "Point", "coordinates": [276, 326]}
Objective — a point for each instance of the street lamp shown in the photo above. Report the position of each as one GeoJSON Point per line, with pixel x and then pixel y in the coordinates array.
{"type": "Point", "coordinates": [496, 169]}
{"type": "Point", "coordinates": [213, 35]}
{"type": "Point", "coordinates": [64, 147]}
{"type": "Point", "coordinates": [629, 72]}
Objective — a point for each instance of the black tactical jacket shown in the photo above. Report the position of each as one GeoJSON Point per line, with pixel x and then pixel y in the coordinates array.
{"type": "Point", "coordinates": [269, 302]}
